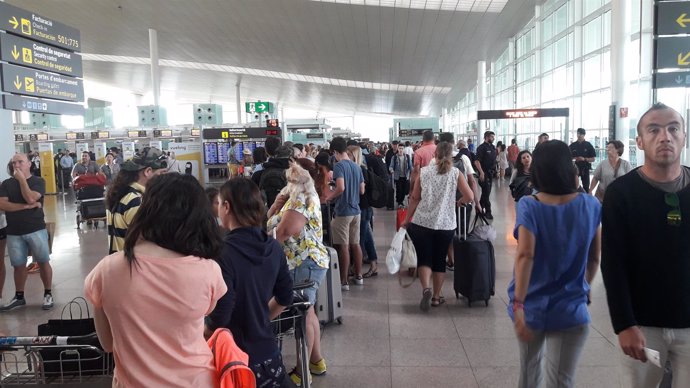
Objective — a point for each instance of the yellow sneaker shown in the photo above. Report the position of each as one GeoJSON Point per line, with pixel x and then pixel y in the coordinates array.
{"type": "Point", "coordinates": [296, 378]}
{"type": "Point", "coordinates": [318, 368]}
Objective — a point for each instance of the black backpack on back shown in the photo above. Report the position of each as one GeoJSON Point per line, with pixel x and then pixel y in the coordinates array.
{"type": "Point", "coordinates": [375, 190]}
{"type": "Point", "coordinates": [272, 180]}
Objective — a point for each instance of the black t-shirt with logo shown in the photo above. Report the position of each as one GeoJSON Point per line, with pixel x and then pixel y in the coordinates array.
{"type": "Point", "coordinates": [486, 155]}
{"type": "Point", "coordinates": [23, 221]}
{"type": "Point", "coordinates": [584, 149]}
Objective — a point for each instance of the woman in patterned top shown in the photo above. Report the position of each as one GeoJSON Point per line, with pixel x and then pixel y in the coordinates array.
{"type": "Point", "coordinates": [295, 221]}
{"type": "Point", "coordinates": [432, 204]}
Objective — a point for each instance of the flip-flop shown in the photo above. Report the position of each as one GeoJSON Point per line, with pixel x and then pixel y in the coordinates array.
{"type": "Point", "coordinates": [437, 302]}
{"type": "Point", "coordinates": [371, 273]}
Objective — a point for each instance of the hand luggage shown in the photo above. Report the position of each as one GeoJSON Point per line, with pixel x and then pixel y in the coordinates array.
{"type": "Point", "coordinates": [84, 362]}
{"type": "Point", "coordinates": [475, 267]}
{"type": "Point", "coordinates": [92, 208]}
{"type": "Point", "coordinates": [329, 297]}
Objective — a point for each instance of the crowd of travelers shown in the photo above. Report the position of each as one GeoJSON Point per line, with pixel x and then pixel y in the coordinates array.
{"type": "Point", "coordinates": [229, 257]}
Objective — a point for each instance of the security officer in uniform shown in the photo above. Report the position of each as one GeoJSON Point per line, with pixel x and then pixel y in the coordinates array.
{"type": "Point", "coordinates": [583, 155]}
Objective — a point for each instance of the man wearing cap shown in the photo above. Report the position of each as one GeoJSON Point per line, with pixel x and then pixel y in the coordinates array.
{"type": "Point", "coordinates": [124, 197]}
{"type": "Point", "coordinates": [583, 155]}
{"type": "Point", "coordinates": [485, 163]}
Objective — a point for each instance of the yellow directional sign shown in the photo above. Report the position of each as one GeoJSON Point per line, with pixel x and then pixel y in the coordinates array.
{"type": "Point", "coordinates": [17, 84]}
{"type": "Point", "coordinates": [27, 55]}
{"type": "Point", "coordinates": [27, 52]}
{"type": "Point", "coordinates": [29, 84]}
{"type": "Point", "coordinates": [682, 19]}
{"type": "Point", "coordinates": [672, 52]}
{"type": "Point", "coordinates": [21, 22]}
{"type": "Point", "coordinates": [26, 26]}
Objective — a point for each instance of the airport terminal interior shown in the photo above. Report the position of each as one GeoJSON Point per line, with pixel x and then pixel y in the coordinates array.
{"type": "Point", "coordinates": [192, 77]}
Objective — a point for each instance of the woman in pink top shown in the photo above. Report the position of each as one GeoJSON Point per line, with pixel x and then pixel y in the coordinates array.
{"type": "Point", "coordinates": [150, 299]}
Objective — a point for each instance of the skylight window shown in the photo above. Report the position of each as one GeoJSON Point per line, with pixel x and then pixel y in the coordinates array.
{"type": "Point", "coordinates": [269, 74]}
{"type": "Point", "coordinates": [480, 6]}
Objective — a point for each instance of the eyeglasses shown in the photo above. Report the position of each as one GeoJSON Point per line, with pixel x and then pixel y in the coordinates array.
{"type": "Point", "coordinates": [674, 216]}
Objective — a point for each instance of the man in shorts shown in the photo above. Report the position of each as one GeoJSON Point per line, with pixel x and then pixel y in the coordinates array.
{"type": "Point", "coordinates": [349, 185]}
{"type": "Point", "coordinates": [21, 198]}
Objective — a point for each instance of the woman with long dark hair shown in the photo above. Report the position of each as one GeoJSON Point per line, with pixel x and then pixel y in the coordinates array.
{"type": "Point", "coordinates": [521, 179]}
{"type": "Point", "coordinates": [432, 204]}
{"type": "Point", "coordinates": [559, 240]}
{"type": "Point", "coordinates": [259, 284]}
{"type": "Point", "coordinates": [150, 299]}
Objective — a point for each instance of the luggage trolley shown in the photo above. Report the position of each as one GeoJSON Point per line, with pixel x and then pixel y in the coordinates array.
{"type": "Point", "coordinates": [293, 322]}
{"type": "Point", "coordinates": [89, 190]}
{"type": "Point", "coordinates": [23, 364]}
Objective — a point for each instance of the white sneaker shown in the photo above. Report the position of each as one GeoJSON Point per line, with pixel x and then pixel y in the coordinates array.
{"type": "Point", "coordinates": [47, 302]}
{"type": "Point", "coordinates": [359, 280]}
{"type": "Point", "coordinates": [345, 287]}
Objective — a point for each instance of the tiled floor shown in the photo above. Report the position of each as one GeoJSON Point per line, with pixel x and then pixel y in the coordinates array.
{"type": "Point", "coordinates": [385, 340]}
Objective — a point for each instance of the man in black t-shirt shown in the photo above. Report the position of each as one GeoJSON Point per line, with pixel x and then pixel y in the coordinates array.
{"type": "Point", "coordinates": [21, 198]}
{"type": "Point", "coordinates": [583, 155]}
{"type": "Point", "coordinates": [485, 162]}
{"type": "Point", "coordinates": [646, 253]}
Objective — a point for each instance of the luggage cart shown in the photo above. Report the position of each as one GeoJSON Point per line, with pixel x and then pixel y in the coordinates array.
{"type": "Point", "coordinates": [293, 323]}
{"type": "Point", "coordinates": [22, 364]}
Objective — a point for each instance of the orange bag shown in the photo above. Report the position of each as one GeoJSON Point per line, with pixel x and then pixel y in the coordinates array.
{"type": "Point", "coordinates": [400, 217]}
{"type": "Point", "coordinates": [230, 361]}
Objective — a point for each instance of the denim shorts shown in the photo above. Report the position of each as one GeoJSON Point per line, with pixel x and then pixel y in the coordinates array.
{"type": "Point", "coordinates": [19, 246]}
{"type": "Point", "coordinates": [309, 271]}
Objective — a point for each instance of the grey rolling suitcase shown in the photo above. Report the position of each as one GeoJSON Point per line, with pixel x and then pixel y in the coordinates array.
{"type": "Point", "coordinates": [329, 298]}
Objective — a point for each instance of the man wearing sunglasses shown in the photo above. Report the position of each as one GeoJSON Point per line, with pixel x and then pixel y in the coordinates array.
{"type": "Point", "coordinates": [124, 195]}
{"type": "Point", "coordinates": [646, 253]}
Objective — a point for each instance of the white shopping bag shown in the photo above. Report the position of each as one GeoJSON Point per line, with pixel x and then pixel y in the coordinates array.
{"type": "Point", "coordinates": [395, 251]}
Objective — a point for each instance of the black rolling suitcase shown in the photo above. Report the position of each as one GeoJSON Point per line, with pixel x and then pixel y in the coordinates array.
{"type": "Point", "coordinates": [475, 267]}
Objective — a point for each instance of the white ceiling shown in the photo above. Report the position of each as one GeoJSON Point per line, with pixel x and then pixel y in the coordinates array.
{"type": "Point", "coordinates": [366, 56]}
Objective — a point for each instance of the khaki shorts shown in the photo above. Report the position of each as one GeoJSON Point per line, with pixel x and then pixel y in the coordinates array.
{"type": "Point", "coordinates": [345, 230]}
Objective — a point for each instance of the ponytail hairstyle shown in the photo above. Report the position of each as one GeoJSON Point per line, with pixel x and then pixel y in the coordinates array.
{"type": "Point", "coordinates": [444, 157]}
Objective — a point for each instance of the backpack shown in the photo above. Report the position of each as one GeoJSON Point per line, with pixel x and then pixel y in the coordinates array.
{"type": "Point", "coordinates": [460, 165]}
{"type": "Point", "coordinates": [375, 190]}
{"type": "Point", "coordinates": [520, 187]}
{"type": "Point", "coordinates": [272, 180]}
{"type": "Point", "coordinates": [230, 361]}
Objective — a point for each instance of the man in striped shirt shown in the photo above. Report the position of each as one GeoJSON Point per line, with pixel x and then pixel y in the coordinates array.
{"type": "Point", "coordinates": [124, 195]}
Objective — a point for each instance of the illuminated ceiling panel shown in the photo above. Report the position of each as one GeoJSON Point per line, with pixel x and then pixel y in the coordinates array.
{"type": "Point", "coordinates": [479, 6]}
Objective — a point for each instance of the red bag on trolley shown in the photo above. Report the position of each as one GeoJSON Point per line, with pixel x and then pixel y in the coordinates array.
{"type": "Point", "coordinates": [400, 217]}
{"type": "Point", "coordinates": [82, 181]}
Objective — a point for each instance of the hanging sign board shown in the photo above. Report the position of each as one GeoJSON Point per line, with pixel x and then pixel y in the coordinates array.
{"type": "Point", "coordinates": [25, 52]}
{"type": "Point", "coordinates": [21, 22]}
{"type": "Point", "coordinates": [38, 83]}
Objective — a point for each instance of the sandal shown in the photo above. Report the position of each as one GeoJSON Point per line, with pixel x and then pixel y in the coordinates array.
{"type": "Point", "coordinates": [371, 273]}
{"type": "Point", "coordinates": [426, 299]}
{"type": "Point", "coordinates": [437, 302]}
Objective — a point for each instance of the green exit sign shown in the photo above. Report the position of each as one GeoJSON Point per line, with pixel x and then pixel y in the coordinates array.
{"type": "Point", "coordinates": [259, 107]}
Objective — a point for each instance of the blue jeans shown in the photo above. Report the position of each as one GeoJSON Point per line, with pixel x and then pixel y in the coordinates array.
{"type": "Point", "coordinates": [307, 272]}
{"type": "Point", "coordinates": [366, 235]}
{"type": "Point", "coordinates": [18, 247]}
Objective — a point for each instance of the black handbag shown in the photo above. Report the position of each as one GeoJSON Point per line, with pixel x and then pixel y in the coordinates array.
{"type": "Point", "coordinates": [67, 360]}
